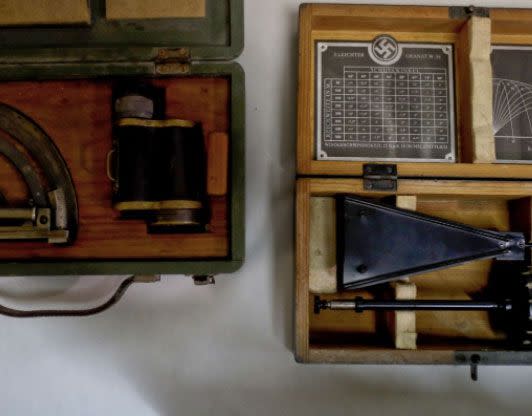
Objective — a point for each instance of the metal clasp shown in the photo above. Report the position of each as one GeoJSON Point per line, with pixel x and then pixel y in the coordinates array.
{"type": "Point", "coordinates": [380, 177]}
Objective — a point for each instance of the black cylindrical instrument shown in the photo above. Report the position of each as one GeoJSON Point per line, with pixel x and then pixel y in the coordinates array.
{"type": "Point", "coordinates": [159, 166]}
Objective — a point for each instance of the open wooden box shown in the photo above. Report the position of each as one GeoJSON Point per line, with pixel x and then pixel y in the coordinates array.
{"type": "Point", "coordinates": [475, 190]}
{"type": "Point", "coordinates": [61, 75]}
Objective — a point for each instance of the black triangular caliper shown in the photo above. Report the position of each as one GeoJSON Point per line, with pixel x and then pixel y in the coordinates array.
{"type": "Point", "coordinates": [378, 243]}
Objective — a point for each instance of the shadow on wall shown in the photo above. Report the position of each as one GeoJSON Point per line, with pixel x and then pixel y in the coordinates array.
{"type": "Point", "coordinates": [233, 376]}
{"type": "Point", "coordinates": [282, 186]}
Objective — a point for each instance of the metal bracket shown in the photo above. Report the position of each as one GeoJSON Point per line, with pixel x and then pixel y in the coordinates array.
{"type": "Point", "coordinates": [173, 61]}
{"type": "Point", "coordinates": [203, 280]}
{"type": "Point", "coordinates": [379, 177]}
{"type": "Point", "coordinates": [473, 360]}
{"type": "Point", "coordinates": [460, 12]}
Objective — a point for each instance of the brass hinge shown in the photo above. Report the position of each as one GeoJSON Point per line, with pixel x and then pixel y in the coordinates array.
{"type": "Point", "coordinates": [379, 177]}
{"type": "Point", "coordinates": [172, 61]}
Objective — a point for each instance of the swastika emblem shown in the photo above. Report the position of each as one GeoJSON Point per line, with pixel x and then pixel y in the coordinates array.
{"type": "Point", "coordinates": [385, 50]}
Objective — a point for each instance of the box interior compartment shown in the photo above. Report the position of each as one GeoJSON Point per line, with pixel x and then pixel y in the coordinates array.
{"type": "Point", "coordinates": [118, 31]}
{"type": "Point", "coordinates": [364, 337]}
{"type": "Point", "coordinates": [77, 115]}
{"type": "Point", "coordinates": [470, 37]}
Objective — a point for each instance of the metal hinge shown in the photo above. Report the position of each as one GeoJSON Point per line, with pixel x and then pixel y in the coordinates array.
{"type": "Point", "coordinates": [378, 177]}
{"type": "Point", "coordinates": [461, 12]}
{"type": "Point", "coordinates": [172, 61]}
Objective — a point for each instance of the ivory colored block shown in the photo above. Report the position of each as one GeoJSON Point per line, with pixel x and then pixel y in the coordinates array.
{"type": "Point", "coordinates": [322, 249]}
{"type": "Point", "coordinates": [480, 78]}
{"type": "Point", "coordinates": [154, 9]}
{"type": "Point", "coordinates": [404, 322]}
{"type": "Point", "coordinates": [43, 12]}
{"type": "Point", "coordinates": [405, 335]}
{"type": "Point", "coordinates": [408, 202]}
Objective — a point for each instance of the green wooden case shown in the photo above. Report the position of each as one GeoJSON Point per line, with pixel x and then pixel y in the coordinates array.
{"type": "Point", "coordinates": [156, 49]}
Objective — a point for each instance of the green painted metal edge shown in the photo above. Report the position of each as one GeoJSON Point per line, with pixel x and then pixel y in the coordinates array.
{"type": "Point", "coordinates": [237, 183]}
{"type": "Point", "coordinates": [220, 36]}
{"type": "Point", "coordinates": [236, 33]}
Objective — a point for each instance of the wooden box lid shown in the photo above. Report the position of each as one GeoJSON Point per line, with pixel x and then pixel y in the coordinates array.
{"type": "Point", "coordinates": [470, 31]}
{"type": "Point", "coordinates": [117, 30]}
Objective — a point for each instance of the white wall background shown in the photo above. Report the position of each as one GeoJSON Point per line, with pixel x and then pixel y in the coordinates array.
{"type": "Point", "coordinates": [172, 348]}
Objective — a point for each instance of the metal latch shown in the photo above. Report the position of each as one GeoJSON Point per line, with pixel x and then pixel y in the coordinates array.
{"type": "Point", "coordinates": [473, 359]}
{"type": "Point", "coordinates": [461, 12]}
{"type": "Point", "coordinates": [173, 61]}
{"type": "Point", "coordinates": [379, 177]}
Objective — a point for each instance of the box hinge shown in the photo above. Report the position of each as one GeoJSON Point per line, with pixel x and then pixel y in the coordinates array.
{"type": "Point", "coordinates": [173, 61]}
{"type": "Point", "coordinates": [461, 12]}
{"type": "Point", "coordinates": [379, 177]}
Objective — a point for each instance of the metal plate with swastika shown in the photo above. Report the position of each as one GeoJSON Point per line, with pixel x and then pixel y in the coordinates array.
{"type": "Point", "coordinates": [385, 100]}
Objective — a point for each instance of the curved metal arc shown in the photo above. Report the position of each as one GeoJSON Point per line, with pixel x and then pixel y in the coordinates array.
{"type": "Point", "coordinates": [41, 147]}
{"type": "Point", "coordinates": [23, 164]}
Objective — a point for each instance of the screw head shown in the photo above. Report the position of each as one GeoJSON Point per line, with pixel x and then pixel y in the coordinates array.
{"type": "Point", "coordinates": [362, 268]}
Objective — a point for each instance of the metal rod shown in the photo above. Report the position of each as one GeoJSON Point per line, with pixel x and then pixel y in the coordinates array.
{"type": "Point", "coordinates": [360, 305]}
{"type": "Point", "coordinates": [27, 214]}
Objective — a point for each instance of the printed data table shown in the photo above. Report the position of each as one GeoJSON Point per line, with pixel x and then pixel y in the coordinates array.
{"type": "Point", "coordinates": [401, 110]}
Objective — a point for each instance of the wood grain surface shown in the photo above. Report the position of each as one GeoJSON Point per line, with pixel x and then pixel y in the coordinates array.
{"type": "Point", "coordinates": [345, 336]}
{"type": "Point", "coordinates": [77, 116]}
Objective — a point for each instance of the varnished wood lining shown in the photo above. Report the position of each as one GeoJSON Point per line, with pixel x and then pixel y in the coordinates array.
{"type": "Point", "coordinates": [302, 270]}
{"type": "Point", "coordinates": [77, 116]}
{"type": "Point", "coordinates": [511, 26]}
{"type": "Point", "coordinates": [349, 337]}
{"type": "Point", "coordinates": [329, 354]}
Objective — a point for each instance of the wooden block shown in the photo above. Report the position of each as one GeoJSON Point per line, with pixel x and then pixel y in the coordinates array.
{"type": "Point", "coordinates": [154, 9]}
{"type": "Point", "coordinates": [406, 202]}
{"type": "Point", "coordinates": [405, 335]}
{"type": "Point", "coordinates": [44, 12]}
{"type": "Point", "coordinates": [404, 322]}
{"type": "Point", "coordinates": [322, 245]}
{"type": "Point", "coordinates": [480, 79]}
{"type": "Point", "coordinates": [217, 163]}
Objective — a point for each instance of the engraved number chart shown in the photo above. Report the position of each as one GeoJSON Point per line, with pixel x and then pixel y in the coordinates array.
{"type": "Point", "coordinates": [384, 100]}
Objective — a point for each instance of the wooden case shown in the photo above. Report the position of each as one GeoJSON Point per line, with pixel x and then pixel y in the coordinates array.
{"type": "Point", "coordinates": [476, 157]}
{"type": "Point", "coordinates": [475, 190]}
{"type": "Point", "coordinates": [61, 75]}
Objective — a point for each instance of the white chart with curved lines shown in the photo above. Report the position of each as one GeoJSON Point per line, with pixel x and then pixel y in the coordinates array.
{"type": "Point", "coordinates": [511, 100]}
